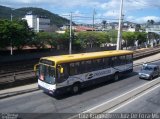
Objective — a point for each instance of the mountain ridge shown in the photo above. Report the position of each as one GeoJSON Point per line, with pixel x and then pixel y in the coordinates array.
{"type": "Point", "coordinates": [19, 13]}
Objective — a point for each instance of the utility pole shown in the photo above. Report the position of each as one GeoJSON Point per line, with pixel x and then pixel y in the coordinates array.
{"type": "Point", "coordinates": [93, 19]}
{"type": "Point", "coordinates": [119, 38]}
{"type": "Point", "coordinates": [11, 38]}
{"type": "Point", "coordinates": [70, 40]}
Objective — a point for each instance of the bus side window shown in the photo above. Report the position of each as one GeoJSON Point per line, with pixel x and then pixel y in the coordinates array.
{"type": "Point", "coordinates": [97, 64]}
{"type": "Point", "coordinates": [75, 68]}
{"type": "Point", "coordinates": [107, 62]}
{"type": "Point", "coordinates": [113, 61]}
{"type": "Point", "coordinates": [101, 63]}
{"type": "Point", "coordinates": [83, 67]}
{"type": "Point", "coordinates": [128, 58]}
{"type": "Point", "coordinates": [88, 66]}
{"type": "Point", "coordinates": [116, 61]}
{"type": "Point", "coordinates": [94, 65]}
{"type": "Point", "coordinates": [71, 69]}
{"type": "Point", "coordinates": [63, 76]}
{"type": "Point", "coordinates": [122, 60]}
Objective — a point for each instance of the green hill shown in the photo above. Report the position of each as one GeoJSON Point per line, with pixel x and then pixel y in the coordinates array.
{"type": "Point", "coordinates": [5, 13]}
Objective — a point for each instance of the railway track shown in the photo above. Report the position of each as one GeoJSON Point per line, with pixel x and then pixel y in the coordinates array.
{"type": "Point", "coordinates": [24, 72]}
{"type": "Point", "coordinates": [19, 66]}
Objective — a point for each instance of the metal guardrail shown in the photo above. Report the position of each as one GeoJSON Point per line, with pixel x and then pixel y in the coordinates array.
{"type": "Point", "coordinates": [23, 75]}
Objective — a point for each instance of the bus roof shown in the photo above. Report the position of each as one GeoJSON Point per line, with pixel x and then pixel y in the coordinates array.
{"type": "Point", "coordinates": [86, 56]}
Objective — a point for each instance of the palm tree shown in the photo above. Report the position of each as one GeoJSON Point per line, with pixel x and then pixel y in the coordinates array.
{"type": "Point", "coordinates": [104, 23]}
{"type": "Point", "coordinates": [150, 22]}
{"type": "Point", "coordinates": [150, 35]}
{"type": "Point", "coordinates": [138, 27]}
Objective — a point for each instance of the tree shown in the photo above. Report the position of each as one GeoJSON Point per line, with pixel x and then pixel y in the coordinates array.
{"type": "Point", "coordinates": [15, 33]}
{"type": "Point", "coordinates": [129, 38]}
{"type": "Point", "coordinates": [5, 36]}
{"type": "Point", "coordinates": [52, 39]}
{"type": "Point", "coordinates": [93, 39]}
{"type": "Point", "coordinates": [140, 36]}
{"type": "Point", "coordinates": [113, 36]}
{"type": "Point", "coordinates": [21, 34]}
{"type": "Point", "coordinates": [40, 40]}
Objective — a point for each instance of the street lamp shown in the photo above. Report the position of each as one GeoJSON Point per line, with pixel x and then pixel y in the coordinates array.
{"type": "Point", "coordinates": [11, 38]}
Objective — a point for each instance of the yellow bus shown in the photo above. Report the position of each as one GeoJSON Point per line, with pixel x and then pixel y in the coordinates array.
{"type": "Point", "coordinates": [57, 74]}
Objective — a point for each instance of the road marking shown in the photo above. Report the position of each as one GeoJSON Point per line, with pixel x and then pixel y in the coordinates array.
{"type": "Point", "coordinates": [134, 99]}
{"type": "Point", "coordinates": [87, 111]}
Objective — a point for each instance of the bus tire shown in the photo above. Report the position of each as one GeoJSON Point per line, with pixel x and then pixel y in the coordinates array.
{"type": "Point", "coordinates": [116, 76]}
{"type": "Point", "coordinates": [76, 88]}
{"type": "Point", "coordinates": [151, 78]}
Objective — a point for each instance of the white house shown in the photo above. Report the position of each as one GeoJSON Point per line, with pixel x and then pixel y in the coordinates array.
{"type": "Point", "coordinates": [37, 23]}
{"type": "Point", "coordinates": [153, 28]}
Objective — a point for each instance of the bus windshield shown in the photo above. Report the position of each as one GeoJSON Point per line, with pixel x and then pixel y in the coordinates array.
{"type": "Point", "coordinates": [47, 74]}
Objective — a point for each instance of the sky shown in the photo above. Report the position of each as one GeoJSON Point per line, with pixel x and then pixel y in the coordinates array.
{"type": "Point", "coordinates": [138, 11]}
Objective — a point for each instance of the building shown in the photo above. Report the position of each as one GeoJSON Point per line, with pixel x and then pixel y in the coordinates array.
{"type": "Point", "coordinates": [153, 28]}
{"type": "Point", "coordinates": [37, 23]}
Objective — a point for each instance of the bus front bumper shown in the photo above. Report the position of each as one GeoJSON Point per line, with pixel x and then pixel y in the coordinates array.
{"type": "Point", "coordinates": [52, 92]}
{"type": "Point", "coordinates": [48, 88]}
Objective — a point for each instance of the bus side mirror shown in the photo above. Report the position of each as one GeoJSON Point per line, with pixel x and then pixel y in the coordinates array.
{"type": "Point", "coordinates": [36, 69]}
{"type": "Point", "coordinates": [61, 69]}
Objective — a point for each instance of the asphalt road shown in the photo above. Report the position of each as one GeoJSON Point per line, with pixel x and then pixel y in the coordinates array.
{"type": "Point", "coordinates": [35, 103]}
{"type": "Point", "coordinates": [148, 103]}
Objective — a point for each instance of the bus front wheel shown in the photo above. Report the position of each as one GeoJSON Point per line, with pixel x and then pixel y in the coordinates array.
{"type": "Point", "coordinates": [75, 88]}
{"type": "Point", "coordinates": [116, 77]}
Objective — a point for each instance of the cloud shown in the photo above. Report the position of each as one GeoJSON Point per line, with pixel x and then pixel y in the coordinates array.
{"type": "Point", "coordinates": [130, 4]}
{"type": "Point", "coordinates": [112, 4]}
{"type": "Point", "coordinates": [146, 18]}
{"type": "Point", "coordinates": [111, 14]}
{"type": "Point", "coordinates": [60, 3]}
{"type": "Point", "coordinates": [142, 19]}
{"type": "Point", "coordinates": [102, 4]}
{"type": "Point", "coordinates": [130, 18]}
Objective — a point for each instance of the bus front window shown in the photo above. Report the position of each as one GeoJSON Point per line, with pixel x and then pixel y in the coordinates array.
{"type": "Point", "coordinates": [47, 74]}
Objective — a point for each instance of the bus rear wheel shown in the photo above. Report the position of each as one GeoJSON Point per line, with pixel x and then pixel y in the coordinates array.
{"type": "Point", "coordinates": [116, 77]}
{"type": "Point", "coordinates": [76, 88]}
